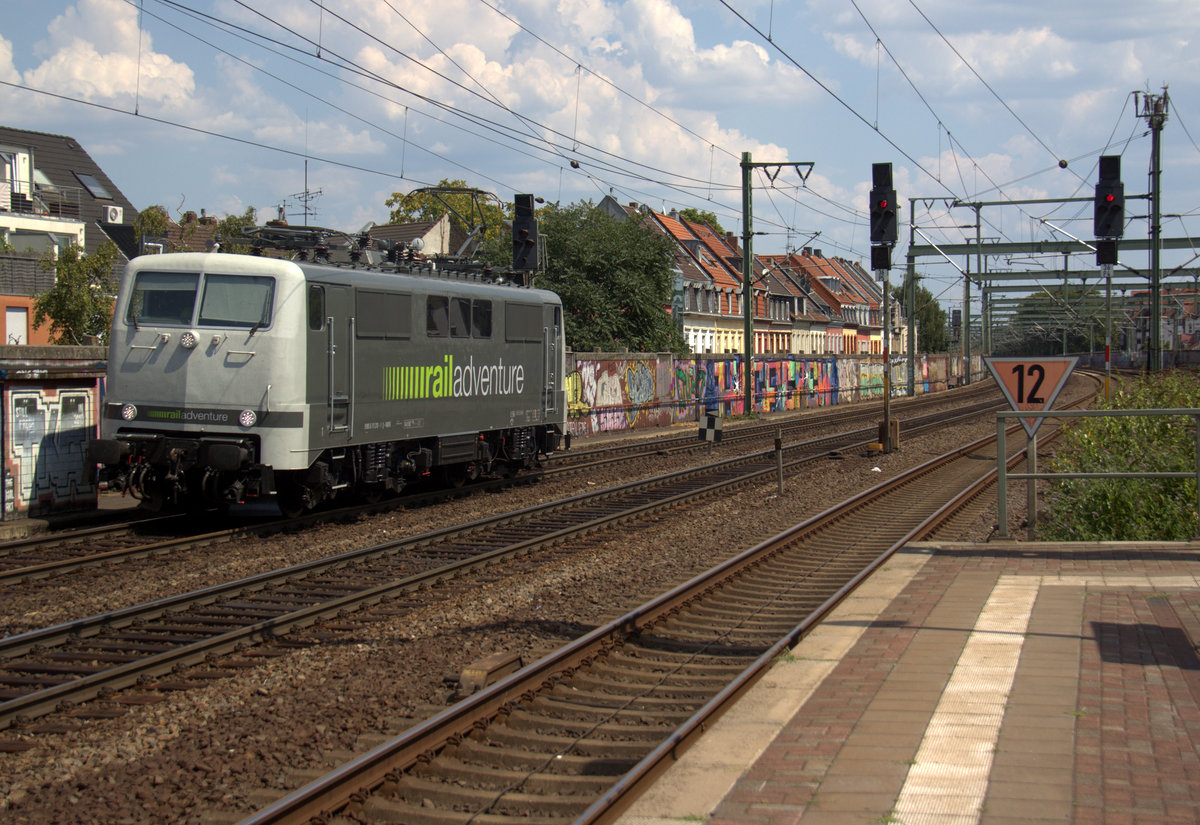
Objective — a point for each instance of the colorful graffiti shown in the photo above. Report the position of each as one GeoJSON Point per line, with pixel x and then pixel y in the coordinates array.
{"type": "Point", "coordinates": [46, 446]}
{"type": "Point", "coordinates": [612, 395]}
{"type": "Point", "coordinates": [607, 394]}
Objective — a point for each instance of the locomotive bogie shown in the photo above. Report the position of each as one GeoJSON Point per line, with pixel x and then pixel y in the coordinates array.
{"type": "Point", "coordinates": [235, 377]}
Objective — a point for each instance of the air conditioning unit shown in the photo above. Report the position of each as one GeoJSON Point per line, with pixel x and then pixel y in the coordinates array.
{"type": "Point", "coordinates": [114, 214]}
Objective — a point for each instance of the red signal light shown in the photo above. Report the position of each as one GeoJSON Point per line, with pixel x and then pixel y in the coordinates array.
{"type": "Point", "coordinates": [883, 204]}
{"type": "Point", "coordinates": [1109, 198]}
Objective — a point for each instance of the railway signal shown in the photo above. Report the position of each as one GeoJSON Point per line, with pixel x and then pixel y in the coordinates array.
{"type": "Point", "coordinates": [1108, 218]}
{"type": "Point", "coordinates": [884, 223]}
{"type": "Point", "coordinates": [884, 230]}
{"type": "Point", "coordinates": [525, 233]}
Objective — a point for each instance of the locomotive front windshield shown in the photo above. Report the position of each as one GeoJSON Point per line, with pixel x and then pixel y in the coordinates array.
{"type": "Point", "coordinates": [186, 298]}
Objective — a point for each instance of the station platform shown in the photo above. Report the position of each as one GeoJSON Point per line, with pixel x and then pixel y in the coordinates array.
{"type": "Point", "coordinates": [1006, 682]}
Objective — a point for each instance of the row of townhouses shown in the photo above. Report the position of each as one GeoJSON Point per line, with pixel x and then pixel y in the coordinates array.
{"type": "Point", "coordinates": [803, 302]}
{"type": "Point", "coordinates": [52, 194]}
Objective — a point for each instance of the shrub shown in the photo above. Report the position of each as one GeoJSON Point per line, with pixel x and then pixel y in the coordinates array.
{"type": "Point", "coordinates": [1129, 509]}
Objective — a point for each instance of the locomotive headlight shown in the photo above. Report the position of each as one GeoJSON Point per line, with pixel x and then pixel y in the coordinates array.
{"type": "Point", "coordinates": [248, 418]}
{"type": "Point", "coordinates": [188, 340]}
{"type": "Point", "coordinates": [128, 412]}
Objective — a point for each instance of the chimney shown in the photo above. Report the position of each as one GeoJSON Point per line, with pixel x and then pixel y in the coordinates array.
{"type": "Point", "coordinates": [674, 214]}
{"type": "Point", "coordinates": [731, 239]}
{"type": "Point", "coordinates": [818, 254]}
{"type": "Point", "coordinates": [808, 251]}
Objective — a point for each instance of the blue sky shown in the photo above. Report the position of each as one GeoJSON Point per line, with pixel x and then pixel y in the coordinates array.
{"type": "Point", "coordinates": [217, 104]}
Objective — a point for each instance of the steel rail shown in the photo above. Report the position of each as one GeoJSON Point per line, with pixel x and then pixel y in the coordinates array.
{"type": "Point", "coordinates": [111, 679]}
{"type": "Point", "coordinates": [347, 787]}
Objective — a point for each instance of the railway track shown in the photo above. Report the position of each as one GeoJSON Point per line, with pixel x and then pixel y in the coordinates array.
{"type": "Point", "coordinates": [43, 556]}
{"type": "Point", "coordinates": [977, 396]}
{"type": "Point", "coordinates": [46, 669]}
{"type": "Point", "coordinates": [574, 737]}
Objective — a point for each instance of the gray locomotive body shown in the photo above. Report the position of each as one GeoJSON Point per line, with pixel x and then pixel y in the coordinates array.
{"type": "Point", "coordinates": [232, 377]}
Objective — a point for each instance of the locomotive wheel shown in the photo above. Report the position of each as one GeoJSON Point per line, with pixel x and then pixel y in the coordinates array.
{"type": "Point", "coordinates": [454, 476]}
{"type": "Point", "coordinates": [289, 496]}
{"type": "Point", "coordinates": [370, 493]}
{"type": "Point", "coordinates": [152, 502]}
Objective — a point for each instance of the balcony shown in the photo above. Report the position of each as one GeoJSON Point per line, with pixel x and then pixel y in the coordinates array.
{"type": "Point", "coordinates": [37, 199]}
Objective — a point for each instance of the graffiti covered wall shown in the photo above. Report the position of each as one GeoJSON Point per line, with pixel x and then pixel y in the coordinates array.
{"type": "Point", "coordinates": [617, 393]}
{"type": "Point", "coordinates": [608, 393]}
{"type": "Point", "coordinates": [612, 394]}
{"type": "Point", "coordinates": [46, 433]}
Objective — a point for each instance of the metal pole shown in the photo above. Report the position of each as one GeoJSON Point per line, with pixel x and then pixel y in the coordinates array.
{"type": "Point", "coordinates": [779, 456]}
{"type": "Point", "coordinates": [748, 281]}
{"type": "Point", "coordinates": [886, 438]}
{"type": "Point", "coordinates": [1001, 479]}
{"type": "Point", "coordinates": [979, 272]}
{"type": "Point", "coordinates": [1031, 488]}
{"type": "Point", "coordinates": [966, 323]}
{"type": "Point", "coordinates": [1156, 114]}
{"type": "Point", "coordinates": [910, 296]}
{"type": "Point", "coordinates": [1108, 272]}
{"type": "Point", "coordinates": [1066, 300]}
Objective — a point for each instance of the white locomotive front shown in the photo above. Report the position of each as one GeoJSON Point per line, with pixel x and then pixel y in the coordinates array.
{"type": "Point", "coordinates": [202, 377]}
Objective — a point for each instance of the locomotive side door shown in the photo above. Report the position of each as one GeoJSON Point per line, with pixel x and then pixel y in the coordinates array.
{"type": "Point", "coordinates": [331, 353]}
{"type": "Point", "coordinates": [551, 358]}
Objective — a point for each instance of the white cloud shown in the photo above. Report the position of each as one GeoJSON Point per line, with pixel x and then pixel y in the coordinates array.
{"type": "Point", "coordinates": [128, 68]}
{"type": "Point", "coordinates": [8, 71]}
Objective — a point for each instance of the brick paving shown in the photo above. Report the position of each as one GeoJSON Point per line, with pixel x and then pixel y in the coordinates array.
{"type": "Point", "coordinates": [1096, 685]}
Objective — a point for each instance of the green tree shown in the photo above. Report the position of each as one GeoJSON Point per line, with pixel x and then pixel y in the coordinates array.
{"type": "Point", "coordinates": [152, 222]}
{"type": "Point", "coordinates": [932, 335]}
{"type": "Point", "coordinates": [470, 209]}
{"type": "Point", "coordinates": [702, 216]}
{"type": "Point", "coordinates": [81, 301]}
{"type": "Point", "coordinates": [615, 279]}
{"type": "Point", "coordinates": [232, 227]}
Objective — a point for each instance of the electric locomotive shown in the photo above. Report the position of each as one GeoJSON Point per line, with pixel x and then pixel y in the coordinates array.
{"type": "Point", "coordinates": [235, 377]}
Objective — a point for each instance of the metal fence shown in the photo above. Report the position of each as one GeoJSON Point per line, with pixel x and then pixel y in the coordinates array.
{"type": "Point", "coordinates": [1033, 476]}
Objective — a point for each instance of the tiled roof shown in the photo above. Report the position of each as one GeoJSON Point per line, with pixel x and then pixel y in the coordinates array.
{"type": "Point", "coordinates": [818, 268]}
{"type": "Point", "coordinates": [706, 259]}
{"type": "Point", "coordinates": [853, 282]}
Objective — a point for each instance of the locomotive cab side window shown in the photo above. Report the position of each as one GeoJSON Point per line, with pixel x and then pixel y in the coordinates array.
{"type": "Point", "coordinates": [316, 307]}
{"type": "Point", "coordinates": [162, 298]}
{"type": "Point", "coordinates": [236, 301]}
